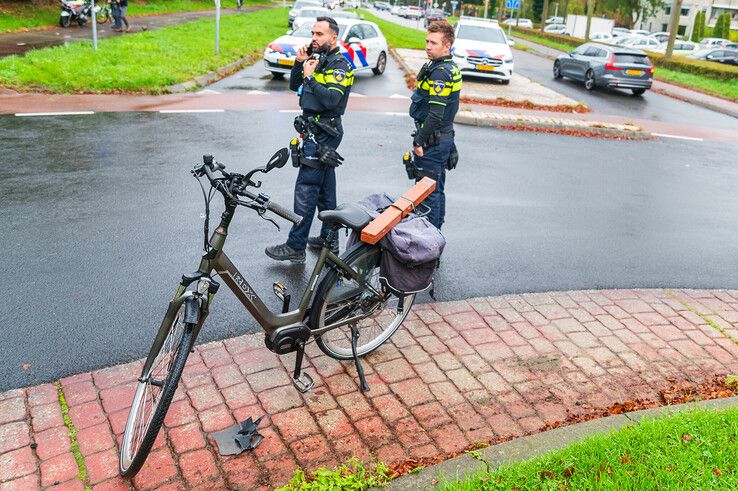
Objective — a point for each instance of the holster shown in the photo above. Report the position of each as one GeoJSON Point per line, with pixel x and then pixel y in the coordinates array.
{"type": "Point", "coordinates": [432, 140]}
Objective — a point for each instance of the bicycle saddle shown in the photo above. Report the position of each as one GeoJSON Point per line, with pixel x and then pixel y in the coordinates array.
{"type": "Point", "coordinates": [348, 215]}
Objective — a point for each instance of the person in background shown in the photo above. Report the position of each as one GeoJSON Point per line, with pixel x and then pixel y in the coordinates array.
{"type": "Point", "coordinates": [123, 4]}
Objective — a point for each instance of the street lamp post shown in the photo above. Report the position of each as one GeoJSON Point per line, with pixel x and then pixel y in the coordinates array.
{"type": "Point", "coordinates": [217, 26]}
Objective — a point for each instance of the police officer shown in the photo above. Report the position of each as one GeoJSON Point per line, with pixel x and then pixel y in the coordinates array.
{"type": "Point", "coordinates": [323, 85]}
{"type": "Point", "coordinates": [433, 107]}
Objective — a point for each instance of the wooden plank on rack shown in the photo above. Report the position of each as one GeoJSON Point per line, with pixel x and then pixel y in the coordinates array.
{"type": "Point", "coordinates": [380, 226]}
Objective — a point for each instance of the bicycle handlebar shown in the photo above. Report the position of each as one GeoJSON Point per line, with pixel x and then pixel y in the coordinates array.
{"type": "Point", "coordinates": [259, 203]}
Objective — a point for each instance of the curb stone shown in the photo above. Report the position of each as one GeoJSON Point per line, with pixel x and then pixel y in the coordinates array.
{"type": "Point", "coordinates": [479, 118]}
{"type": "Point", "coordinates": [211, 77]}
{"type": "Point", "coordinates": [533, 446]}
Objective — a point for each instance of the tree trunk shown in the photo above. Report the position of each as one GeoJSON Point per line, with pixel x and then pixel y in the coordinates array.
{"type": "Point", "coordinates": [544, 14]}
{"type": "Point", "coordinates": [590, 8]}
{"type": "Point", "coordinates": [676, 10]}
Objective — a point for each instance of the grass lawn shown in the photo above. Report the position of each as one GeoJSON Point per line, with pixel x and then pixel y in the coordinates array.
{"type": "Point", "coordinates": [694, 450]}
{"type": "Point", "coordinates": [146, 62]}
{"type": "Point", "coordinates": [15, 15]}
{"type": "Point", "coordinates": [397, 36]}
{"type": "Point", "coordinates": [722, 88]}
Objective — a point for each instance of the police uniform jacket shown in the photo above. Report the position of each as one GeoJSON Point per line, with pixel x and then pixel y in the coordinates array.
{"type": "Point", "coordinates": [326, 91]}
{"type": "Point", "coordinates": [436, 99]}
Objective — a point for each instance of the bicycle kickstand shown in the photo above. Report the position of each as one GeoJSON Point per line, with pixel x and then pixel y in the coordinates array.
{"type": "Point", "coordinates": [301, 380]}
{"type": "Point", "coordinates": [355, 337]}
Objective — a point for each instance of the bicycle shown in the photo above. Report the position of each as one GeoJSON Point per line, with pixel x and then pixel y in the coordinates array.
{"type": "Point", "coordinates": [348, 313]}
{"type": "Point", "coordinates": [105, 13]}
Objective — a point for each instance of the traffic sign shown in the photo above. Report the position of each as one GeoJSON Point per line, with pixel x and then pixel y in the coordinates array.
{"type": "Point", "coordinates": [454, 3]}
{"type": "Point", "coordinates": [512, 4]}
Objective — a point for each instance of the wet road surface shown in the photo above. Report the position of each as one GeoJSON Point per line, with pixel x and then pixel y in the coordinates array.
{"type": "Point", "coordinates": [101, 217]}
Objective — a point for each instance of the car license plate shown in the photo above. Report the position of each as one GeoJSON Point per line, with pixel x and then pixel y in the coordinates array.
{"type": "Point", "coordinates": [485, 68]}
{"type": "Point", "coordinates": [286, 62]}
{"type": "Point", "coordinates": [634, 72]}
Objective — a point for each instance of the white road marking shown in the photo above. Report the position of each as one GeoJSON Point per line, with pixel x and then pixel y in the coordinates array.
{"type": "Point", "coordinates": [290, 110]}
{"type": "Point", "coordinates": [397, 114]}
{"type": "Point", "coordinates": [178, 111]}
{"type": "Point", "coordinates": [208, 91]}
{"type": "Point", "coordinates": [679, 137]}
{"type": "Point", "coordinates": [356, 94]}
{"type": "Point", "coordinates": [256, 92]}
{"type": "Point", "coordinates": [398, 96]}
{"type": "Point", "coordinates": [67, 113]}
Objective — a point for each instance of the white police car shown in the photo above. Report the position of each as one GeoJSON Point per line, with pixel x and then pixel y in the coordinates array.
{"type": "Point", "coordinates": [481, 49]}
{"type": "Point", "coordinates": [360, 41]}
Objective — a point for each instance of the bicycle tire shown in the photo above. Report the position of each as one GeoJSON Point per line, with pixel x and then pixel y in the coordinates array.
{"type": "Point", "coordinates": [130, 462]}
{"type": "Point", "coordinates": [103, 15]}
{"type": "Point", "coordinates": [337, 294]}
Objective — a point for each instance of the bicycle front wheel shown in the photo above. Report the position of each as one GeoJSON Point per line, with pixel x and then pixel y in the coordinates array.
{"type": "Point", "coordinates": [342, 298]}
{"type": "Point", "coordinates": [154, 394]}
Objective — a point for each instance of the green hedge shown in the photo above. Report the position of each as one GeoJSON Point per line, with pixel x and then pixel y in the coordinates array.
{"type": "Point", "coordinates": [679, 64]}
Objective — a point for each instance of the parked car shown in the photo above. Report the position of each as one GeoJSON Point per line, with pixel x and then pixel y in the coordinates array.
{"type": "Point", "coordinates": [603, 37]}
{"type": "Point", "coordinates": [345, 14]}
{"type": "Point", "coordinates": [555, 20]}
{"type": "Point", "coordinates": [600, 65]}
{"type": "Point", "coordinates": [527, 23]}
{"type": "Point", "coordinates": [555, 29]}
{"type": "Point", "coordinates": [481, 49]}
{"type": "Point", "coordinates": [433, 15]}
{"type": "Point", "coordinates": [299, 4]}
{"type": "Point", "coordinates": [382, 5]}
{"type": "Point", "coordinates": [396, 10]}
{"type": "Point", "coordinates": [308, 15]}
{"type": "Point", "coordinates": [714, 43]}
{"type": "Point", "coordinates": [360, 41]}
{"type": "Point", "coordinates": [718, 55]}
{"type": "Point", "coordinates": [642, 42]}
{"type": "Point", "coordinates": [622, 40]}
{"type": "Point", "coordinates": [620, 31]}
{"type": "Point", "coordinates": [681, 48]}
{"type": "Point", "coordinates": [663, 36]}
{"type": "Point", "coordinates": [640, 32]}
{"type": "Point", "coordinates": [413, 12]}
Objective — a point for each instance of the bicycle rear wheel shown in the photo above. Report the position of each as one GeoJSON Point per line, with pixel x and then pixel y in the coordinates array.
{"type": "Point", "coordinates": [343, 298]}
{"type": "Point", "coordinates": [154, 395]}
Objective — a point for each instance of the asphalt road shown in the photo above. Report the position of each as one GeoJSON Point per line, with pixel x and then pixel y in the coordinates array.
{"type": "Point", "coordinates": [101, 217]}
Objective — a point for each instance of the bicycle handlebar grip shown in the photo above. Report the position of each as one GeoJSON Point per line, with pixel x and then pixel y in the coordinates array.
{"type": "Point", "coordinates": [284, 213]}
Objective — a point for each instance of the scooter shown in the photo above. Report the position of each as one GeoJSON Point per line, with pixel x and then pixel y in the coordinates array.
{"type": "Point", "coordinates": [78, 10]}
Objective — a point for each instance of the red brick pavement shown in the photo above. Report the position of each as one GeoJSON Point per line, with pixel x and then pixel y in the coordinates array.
{"type": "Point", "coordinates": [458, 373]}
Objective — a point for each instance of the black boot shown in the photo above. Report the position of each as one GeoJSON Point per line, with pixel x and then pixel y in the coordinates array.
{"type": "Point", "coordinates": [283, 252]}
{"type": "Point", "coordinates": [317, 243]}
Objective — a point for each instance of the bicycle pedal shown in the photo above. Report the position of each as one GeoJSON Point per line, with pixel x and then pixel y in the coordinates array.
{"type": "Point", "coordinates": [279, 290]}
{"type": "Point", "coordinates": [304, 382]}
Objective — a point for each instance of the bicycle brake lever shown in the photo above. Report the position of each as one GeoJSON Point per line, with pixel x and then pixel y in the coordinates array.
{"type": "Point", "coordinates": [263, 217]}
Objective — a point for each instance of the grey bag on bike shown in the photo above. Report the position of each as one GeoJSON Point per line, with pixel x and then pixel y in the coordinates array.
{"type": "Point", "coordinates": [410, 251]}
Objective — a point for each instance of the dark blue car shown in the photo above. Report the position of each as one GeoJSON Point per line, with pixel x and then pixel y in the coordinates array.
{"type": "Point", "coordinates": [601, 65]}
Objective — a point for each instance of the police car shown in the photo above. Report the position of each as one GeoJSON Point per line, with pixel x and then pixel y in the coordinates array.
{"type": "Point", "coordinates": [481, 49]}
{"type": "Point", "coordinates": [360, 41]}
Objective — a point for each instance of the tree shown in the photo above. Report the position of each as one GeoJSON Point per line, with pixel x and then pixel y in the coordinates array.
{"type": "Point", "coordinates": [722, 26]}
{"type": "Point", "coordinates": [698, 30]}
{"type": "Point", "coordinates": [537, 9]}
{"type": "Point", "coordinates": [631, 11]}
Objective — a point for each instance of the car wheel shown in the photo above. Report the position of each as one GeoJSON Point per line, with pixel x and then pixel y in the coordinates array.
{"type": "Point", "coordinates": [557, 70]}
{"type": "Point", "coordinates": [638, 91]}
{"type": "Point", "coordinates": [505, 82]}
{"type": "Point", "coordinates": [381, 64]}
{"type": "Point", "coordinates": [589, 80]}
{"type": "Point", "coordinates": [278, 75]}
